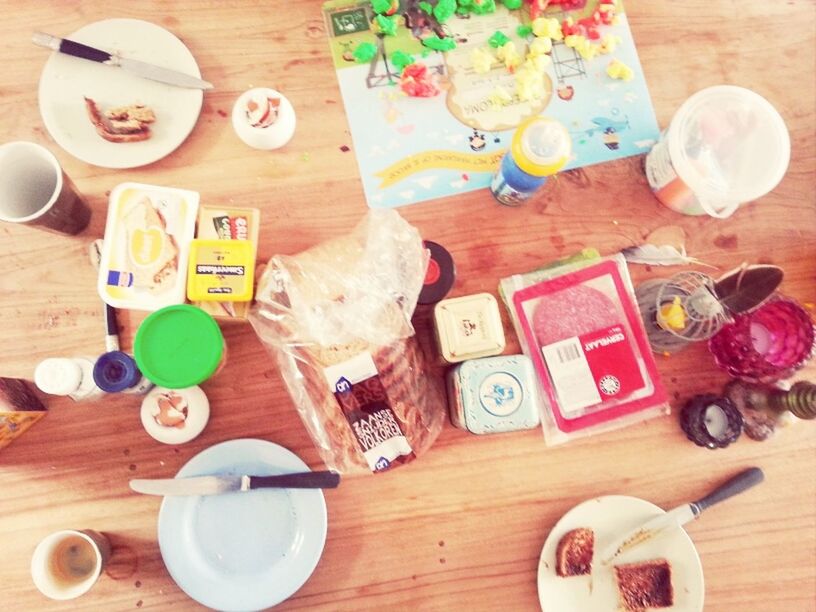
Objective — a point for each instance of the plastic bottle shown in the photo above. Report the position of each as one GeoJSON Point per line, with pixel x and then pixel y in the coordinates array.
{"type": "Point", "coordinates": [117, 372]}
{"type": "Point", "coordinates": [540, 148]}
{"type": "Point", "coordinates": [724, 146]}
{"type": "Point", "coordinates": [67, 376]}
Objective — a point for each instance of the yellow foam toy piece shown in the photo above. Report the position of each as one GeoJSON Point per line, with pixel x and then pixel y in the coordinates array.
{"type": "Point", "coordinates": [673, 316]}
{"type": "Point", "coordinates": [509, 55]}
{"type": "Point", "coordinates": [482, 60]}
{"type": "Point", "coordinates": [529, 84]}
{"type": "Point", "coordinates": [539, 63]}
{"type": "Point", "coordinates": [573, 40]}
{"type": "Point", "coordinates": [540, 46]}
{"type": "Point", "coordinates": [586, 49]}
{"type": "Point", "coordinates": [547, 28]}
{"type": "Point", "coordinates": [609, 43]}
{"type": "Point", "coordinates": [500, 96]}
{"type": "Point", "coordinates": [618, 70]}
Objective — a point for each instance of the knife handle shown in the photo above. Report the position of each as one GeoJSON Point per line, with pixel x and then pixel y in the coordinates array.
{"type": "Point", "coordinates": [304, 480]}
{"type": "Point", "coordinates": [70, 47]}
{"type": "Point", "coordinates": [734, 486]}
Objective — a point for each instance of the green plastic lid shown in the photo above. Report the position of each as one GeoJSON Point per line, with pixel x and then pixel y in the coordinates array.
{"type": "Point", "coordinates": [178, 346]}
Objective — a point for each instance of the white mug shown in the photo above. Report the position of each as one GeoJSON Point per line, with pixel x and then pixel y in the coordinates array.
{"type": "Point", "coordinates": [34, 190]}
{"type": "Point", "coordinates": [66, 564]}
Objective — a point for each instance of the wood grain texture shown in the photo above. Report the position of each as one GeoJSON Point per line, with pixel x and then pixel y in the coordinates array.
{"type": "Point", "coordinates": [462, 528]}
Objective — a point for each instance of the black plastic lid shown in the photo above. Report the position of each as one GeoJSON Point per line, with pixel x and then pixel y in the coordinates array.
{"type": "Point", "coordinates": [439, 277]}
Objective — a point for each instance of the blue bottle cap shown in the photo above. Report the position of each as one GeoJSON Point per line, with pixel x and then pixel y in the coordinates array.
{"type": "Point", "coordinates": [115, 372]}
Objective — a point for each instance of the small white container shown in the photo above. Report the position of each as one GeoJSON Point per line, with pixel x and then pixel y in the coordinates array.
{"type": "Point", "coordinates": [147, 243]}
{"type": "Point", "coordinates": [469, 327]}
{"type": "Point", "coordinates": [725, 146]}
{"type": "Point", "coordinates": [67, 377]}
{"type": "Point", "coordinates": [263, 118]}
{"type": "Point", "coordinates": [175, 416]}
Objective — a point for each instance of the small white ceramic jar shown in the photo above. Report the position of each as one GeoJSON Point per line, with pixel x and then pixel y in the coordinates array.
{"type": "Point", "coordinates": [263, 118]}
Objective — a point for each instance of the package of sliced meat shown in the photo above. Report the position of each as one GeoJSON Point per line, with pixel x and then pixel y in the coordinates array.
{"type": "Point", "coordinates": [582, 329]}
{"type": "Point", "coordinates": [337, 319]}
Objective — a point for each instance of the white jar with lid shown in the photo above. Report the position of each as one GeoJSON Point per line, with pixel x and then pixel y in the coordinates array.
{"type": "Point", "coordinates": [263, 118]}
{"type": "Point", "coordinates": [72, 377]}
{"type": "Point", "coordinates": [725, 146]}
{"type": "Point", "coordinates": [175, 416]}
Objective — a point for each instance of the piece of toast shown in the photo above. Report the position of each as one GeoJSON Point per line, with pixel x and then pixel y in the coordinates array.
{"type": "Point", "coordinates": [645, 585]}
{"type": "Point", "coordinates": [121, 124]}
{"type": "Point", "coordinates": [573, 557]}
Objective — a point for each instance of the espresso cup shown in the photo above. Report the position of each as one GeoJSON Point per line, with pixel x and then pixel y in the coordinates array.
{"type": "Point", "coordinates": [34, 190]}
{"type": "Point", "coordinates": [66, 564]}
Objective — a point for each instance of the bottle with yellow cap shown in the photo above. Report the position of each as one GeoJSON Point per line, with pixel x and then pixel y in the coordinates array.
{"type": "Point", "coordinates": [540, 148]}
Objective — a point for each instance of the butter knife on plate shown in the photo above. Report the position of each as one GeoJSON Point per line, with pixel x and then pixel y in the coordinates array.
{"type": "Point", "coordinates": [142, 69]}
{"type": "Point", "coordinates": [216, 485]}
{"type": "Point", "coordinates": [682, 514]}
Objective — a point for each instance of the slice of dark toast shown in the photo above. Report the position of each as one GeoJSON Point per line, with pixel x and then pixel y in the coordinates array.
{"type": "Point", "coordinates": [573, 557]}
{"type": "Point", "coordinates": [645, 585]}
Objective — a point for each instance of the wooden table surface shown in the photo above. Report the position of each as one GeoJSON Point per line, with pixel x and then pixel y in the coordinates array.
{"type": "Point", "coordinates": [461, 528]}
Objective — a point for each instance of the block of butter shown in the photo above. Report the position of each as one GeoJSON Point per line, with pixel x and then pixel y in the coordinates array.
{"type": "Point", "coordinates": [221, 270]}
{"type": "Point", "coordinates": [228, 223]}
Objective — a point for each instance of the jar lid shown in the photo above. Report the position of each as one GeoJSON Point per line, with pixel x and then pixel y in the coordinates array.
{"type": "Point", "coordinates": [116, 371]}
{"type": "Point", "coordinates": [58, 376]}
{"type": "Point", "coordinates": [440, 275]}
{"type": "Point", "coordinates": [175, 416]}
{"type": "Point", "coordinates": [541, 146]}
{"type": "Point", "coordinates": [178, 346]}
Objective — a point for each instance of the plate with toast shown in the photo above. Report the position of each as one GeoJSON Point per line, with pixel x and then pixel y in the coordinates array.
{"type": "Point", "coordinates": [663, 573]}
{"type": "Point", "coordinates": [109, 117]}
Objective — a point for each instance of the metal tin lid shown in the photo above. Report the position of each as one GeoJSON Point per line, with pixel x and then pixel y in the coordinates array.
{"type": "Point", "coordinates": [175, 416]}
{"type": "Point", "coordinates": [179, 346]}
{"type": "Point", "coordinates": [469, 327]}
{"type": "Point", "coordinates": [439, 277]}
{"type": "Point", "coordinates": [498, 394]}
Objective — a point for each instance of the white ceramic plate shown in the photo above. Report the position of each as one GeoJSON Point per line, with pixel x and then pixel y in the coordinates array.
{"type": "Point", "coordinates": [66, 80]}
{"type": "Point", "coordinates": [612, 517]}
{"type": "Point", "coordinates": [243, 551]}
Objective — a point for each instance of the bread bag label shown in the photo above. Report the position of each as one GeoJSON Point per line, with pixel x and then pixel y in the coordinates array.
{"type": "Point", "coordinates": [361, 395]}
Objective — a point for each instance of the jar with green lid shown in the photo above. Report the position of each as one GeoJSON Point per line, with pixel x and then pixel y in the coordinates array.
{"type": "Point", "coordinates": [179, 346]}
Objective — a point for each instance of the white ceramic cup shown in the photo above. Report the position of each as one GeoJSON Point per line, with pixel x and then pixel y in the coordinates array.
{"type": "Point", "coordinates": [66, 564]}
{"type": "Point", "coordinates": [34, 190]}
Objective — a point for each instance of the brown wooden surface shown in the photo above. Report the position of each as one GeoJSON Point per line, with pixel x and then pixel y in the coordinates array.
{"type": "Point", "coordinates": [462, 528]}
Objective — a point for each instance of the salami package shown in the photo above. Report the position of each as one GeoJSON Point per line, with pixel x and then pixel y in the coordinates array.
{"type": "Point", "coordinates": [580, 325]}
{"type": "Point", "coordinates": [337, 319]}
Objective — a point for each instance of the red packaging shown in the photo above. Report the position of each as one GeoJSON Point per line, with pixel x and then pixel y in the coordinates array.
{"type": "Point", "coordinates": [585, 336]}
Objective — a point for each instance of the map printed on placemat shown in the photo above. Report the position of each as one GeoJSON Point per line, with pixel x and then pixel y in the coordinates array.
{"type": "Point", "coordinates": [411, 149]}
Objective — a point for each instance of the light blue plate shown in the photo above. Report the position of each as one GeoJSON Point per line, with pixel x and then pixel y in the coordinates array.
{"type": "Point", "coordinates": [243, 551]}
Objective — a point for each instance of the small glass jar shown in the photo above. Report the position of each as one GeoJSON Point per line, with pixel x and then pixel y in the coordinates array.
{"type": "Point", "coordinates": [711, 421]}
{"type": "Point", "coordinates": [766, 345]}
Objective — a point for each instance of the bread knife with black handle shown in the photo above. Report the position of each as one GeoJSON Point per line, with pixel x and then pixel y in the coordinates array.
{"type": "Point", "coordinates": [142, 69]}
{"type": "Point", "coordinates": [216, 485]}
{"type": "Point", "coordinates": [682, 514]}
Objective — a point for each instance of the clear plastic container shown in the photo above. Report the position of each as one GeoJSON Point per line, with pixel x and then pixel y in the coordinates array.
{"type": "Point", "coordinates": [725, 146]}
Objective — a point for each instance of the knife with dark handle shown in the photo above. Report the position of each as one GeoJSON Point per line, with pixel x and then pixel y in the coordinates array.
{"type": "Point", "coordinates": [215, 485]}
{"type": "Point", "coordinates": [681, 515]}
{"type": "Point", "coordinates": [142, 69]}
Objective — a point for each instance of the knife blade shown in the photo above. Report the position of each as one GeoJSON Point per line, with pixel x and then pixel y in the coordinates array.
{"type": "Point", "coordinates": [681, 515]}
{"type": "Point", "coordinates": [216, 485]}
{"type": "Point", "coordinates": [142, 69]}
